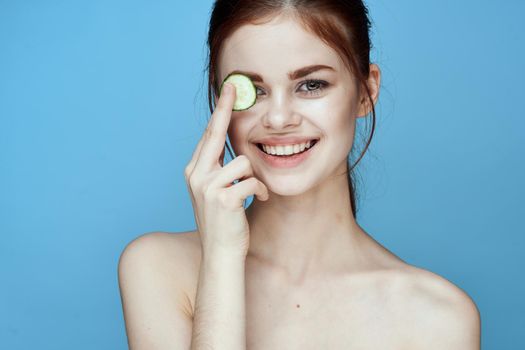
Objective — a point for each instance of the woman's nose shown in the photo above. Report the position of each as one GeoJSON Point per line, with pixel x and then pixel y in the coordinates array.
{"type": "Point", "coordinates": [280, 113]}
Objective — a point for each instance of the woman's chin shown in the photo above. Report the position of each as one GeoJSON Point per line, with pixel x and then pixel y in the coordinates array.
{"type": "Point", "coordinates": [283, 187]}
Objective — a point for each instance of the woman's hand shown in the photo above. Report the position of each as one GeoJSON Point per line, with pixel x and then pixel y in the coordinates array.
{"type": "Point", "coordinates": [217, 202]}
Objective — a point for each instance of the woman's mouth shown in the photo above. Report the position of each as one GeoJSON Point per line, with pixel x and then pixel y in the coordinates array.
{"type": "Point", "coordinates": [287, 156]}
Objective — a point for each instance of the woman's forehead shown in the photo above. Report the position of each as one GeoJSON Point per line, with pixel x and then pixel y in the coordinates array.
{"type": "Point", "coordinates": [274, 46]}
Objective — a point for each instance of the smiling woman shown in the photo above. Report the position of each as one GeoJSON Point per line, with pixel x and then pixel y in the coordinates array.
{"type": "Point", "coordinates": [294, 270]}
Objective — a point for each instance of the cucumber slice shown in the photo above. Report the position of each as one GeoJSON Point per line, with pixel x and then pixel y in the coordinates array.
{"type": "Point", "coordinates": [246, 93]}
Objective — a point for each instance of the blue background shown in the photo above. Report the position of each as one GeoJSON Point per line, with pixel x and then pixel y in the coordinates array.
{"type": "Point", "coordinates": [102, 103]}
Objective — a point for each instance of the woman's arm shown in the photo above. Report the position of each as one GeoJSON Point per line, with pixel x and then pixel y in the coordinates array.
{"type": "Point", "coordinates": [219, 319]}
{"type": "Point", "coordinates": [153, 279]}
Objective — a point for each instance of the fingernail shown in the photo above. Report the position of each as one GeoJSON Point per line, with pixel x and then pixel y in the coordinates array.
{"type": "Point", "coordinates": [227, 88]}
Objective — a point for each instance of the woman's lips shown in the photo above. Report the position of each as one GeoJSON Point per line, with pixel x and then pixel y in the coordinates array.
{"type": "Point", "coordinates": [285, 161]}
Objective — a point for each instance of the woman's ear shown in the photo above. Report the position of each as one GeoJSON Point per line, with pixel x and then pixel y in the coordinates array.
{"type": "Point", "coordinates": [374, 83]}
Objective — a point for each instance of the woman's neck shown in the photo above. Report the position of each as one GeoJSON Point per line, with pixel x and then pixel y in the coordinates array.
{"type": "Point", "coordinates": [306, 235]}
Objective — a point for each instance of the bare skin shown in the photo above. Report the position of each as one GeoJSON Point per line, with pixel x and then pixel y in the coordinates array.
{"type": "Point", "coordinates": [314, 278]}
{"type": "Point", "coordinates": [389, 305]}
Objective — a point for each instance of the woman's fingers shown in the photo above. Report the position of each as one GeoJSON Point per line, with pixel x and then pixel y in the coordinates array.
{"type": "Point", "coordinates": [218, 204]}
{"type": "Point", "coordinates": [209, 131]}
{"type": "Point", "coordinates": [191, 165]}
{"type": "Point", "coordinates": [245, 188]}
{"type": "Point", "coordinates": [215, 135]}
{"type": "Point", "coordinates": [238, 169]}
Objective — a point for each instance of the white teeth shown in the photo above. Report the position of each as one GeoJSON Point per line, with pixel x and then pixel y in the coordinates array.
{"type": "Point", "coordinates": [286, 149]}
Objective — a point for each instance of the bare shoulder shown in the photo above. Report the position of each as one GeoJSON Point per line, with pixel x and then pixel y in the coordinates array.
{"type": "Point", "coordinates": [172, 255]}
{"type": "Point", "coordinates": [156, 273]}
{"type": "Point", "coordinates": [440, 314]}
{"type": "Point", "coordinates": [186, 243]}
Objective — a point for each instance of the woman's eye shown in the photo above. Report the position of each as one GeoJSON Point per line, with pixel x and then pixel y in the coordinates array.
{"type": "Point", "coordinates": [257, 91]}
{"type": "Point", "coordinates": [313, 87]}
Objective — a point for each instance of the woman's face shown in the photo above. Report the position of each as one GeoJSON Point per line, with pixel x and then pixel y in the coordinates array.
{"type": "Point", "coordinates": [288, 106]}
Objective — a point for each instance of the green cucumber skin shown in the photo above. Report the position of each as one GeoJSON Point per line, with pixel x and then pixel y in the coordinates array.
{"type": "Point", "coordinates": [253, 86]}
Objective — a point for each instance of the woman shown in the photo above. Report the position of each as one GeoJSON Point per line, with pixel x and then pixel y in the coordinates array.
{"type": "Point", "coordinates": [294, 270]}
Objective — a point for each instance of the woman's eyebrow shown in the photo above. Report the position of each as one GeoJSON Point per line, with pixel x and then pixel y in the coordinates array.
{"type": "Point", "coordinates": [296, 74]}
